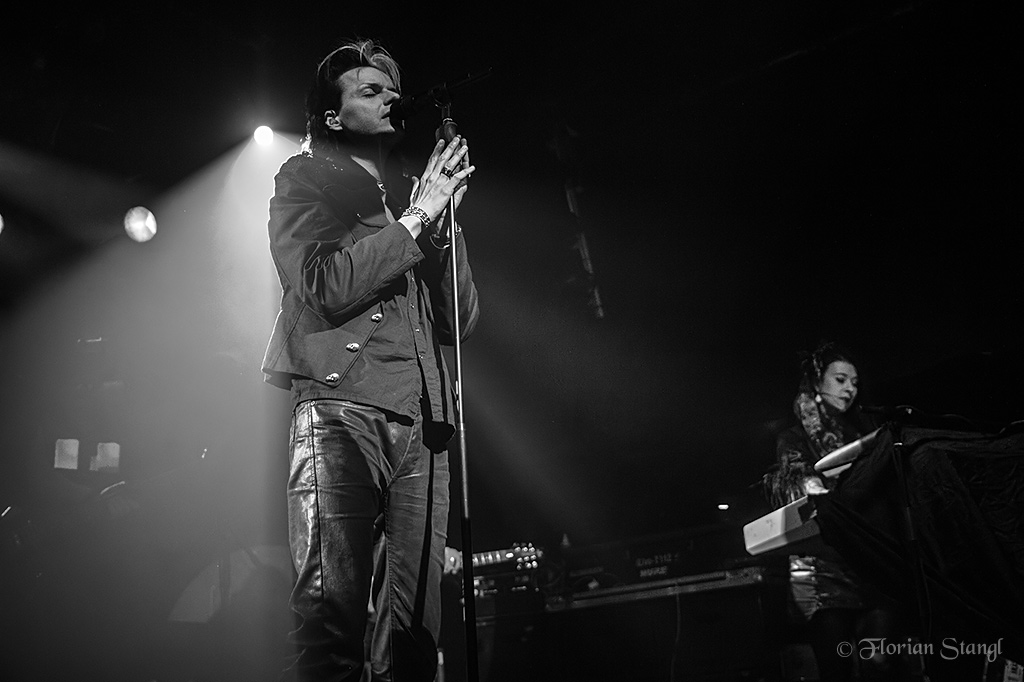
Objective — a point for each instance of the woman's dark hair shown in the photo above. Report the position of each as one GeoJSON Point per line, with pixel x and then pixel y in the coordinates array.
{"type": "Point", "coordinates": [325, 93]}
{"type": "Point", "coordinates": [814, 364]}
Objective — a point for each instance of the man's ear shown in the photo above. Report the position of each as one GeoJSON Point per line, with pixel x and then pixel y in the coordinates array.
{"type": "Point", "coordinates": [332, 121]}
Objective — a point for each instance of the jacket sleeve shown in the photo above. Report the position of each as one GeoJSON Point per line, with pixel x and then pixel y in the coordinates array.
{"type": "Point", "coordinates": [794, 467]}
{"type": "Point", "coordinates": [318, 256]}
{"type": "Point", "coordinates": [438, 276]}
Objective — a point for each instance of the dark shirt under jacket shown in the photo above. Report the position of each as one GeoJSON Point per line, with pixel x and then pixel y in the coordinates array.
{"type": "Point", "coordinates": [364, 306]}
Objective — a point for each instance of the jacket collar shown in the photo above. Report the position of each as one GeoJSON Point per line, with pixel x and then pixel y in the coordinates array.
{"type": "Point", "coordinates": [354, 177]}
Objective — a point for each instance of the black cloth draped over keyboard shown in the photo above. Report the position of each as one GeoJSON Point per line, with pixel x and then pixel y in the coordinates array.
{"type": "Point", "coordinates": [966, 498]}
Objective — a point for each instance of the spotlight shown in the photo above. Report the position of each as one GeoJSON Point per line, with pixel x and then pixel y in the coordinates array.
{"type": "Point", "coordinates": [1, 222]}
{"type": "Point", "coordinates": [263, 135]}
{"type": "Point", "coordinates": [140, 224]}
{"type": "Point", "coordinates": [723, 507]}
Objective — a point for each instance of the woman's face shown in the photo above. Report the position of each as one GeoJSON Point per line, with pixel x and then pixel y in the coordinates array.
{"type": "Point", "coordinates": [838, 385]}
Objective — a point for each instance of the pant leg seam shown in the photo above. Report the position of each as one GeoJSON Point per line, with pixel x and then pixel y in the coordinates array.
{"type": "Point", "coordinates": [392, 621]}
{"type": "Point", "coordinates": [316, 497]}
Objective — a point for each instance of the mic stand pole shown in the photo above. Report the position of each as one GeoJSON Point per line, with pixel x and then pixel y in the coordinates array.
{"type": "Point", "coordinates": [448, 129]}
{"type": "Point", "coordinates": [911, 546]}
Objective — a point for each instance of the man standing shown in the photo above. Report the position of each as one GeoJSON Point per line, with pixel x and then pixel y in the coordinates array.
{"type": "Point", "coordinates": [366, 305]}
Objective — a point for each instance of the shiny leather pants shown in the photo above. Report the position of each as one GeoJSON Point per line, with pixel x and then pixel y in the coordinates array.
{"type": "Point", "coordinates": [367, 507]}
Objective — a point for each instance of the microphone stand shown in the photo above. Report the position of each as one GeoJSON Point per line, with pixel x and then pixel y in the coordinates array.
{"type": "Point", "coordinates": [911, 545]}
{"type": "Point", "coordinates": [448, 130]}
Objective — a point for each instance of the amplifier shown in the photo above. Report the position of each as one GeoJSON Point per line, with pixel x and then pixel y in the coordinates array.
{"type": "Point", "coordinates": [672, 587]}
{"type": "Point", "coordinates": [505, 594]}
{"type": "Point", "coordinates": [653, 558]}
{"type": "Point", "coordinates": [719, 626]}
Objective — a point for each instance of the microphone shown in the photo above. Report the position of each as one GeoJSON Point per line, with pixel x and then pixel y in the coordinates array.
{"type": "Point", "coordinates": [408, 106]}
{"type": "Point", "coordinates": [887, 411]}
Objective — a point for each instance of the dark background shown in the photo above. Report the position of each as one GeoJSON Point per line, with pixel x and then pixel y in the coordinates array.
{"type": "Point", "coordinates": [751, 181]}
{"type": "Point", "coordinates": [753, 178]}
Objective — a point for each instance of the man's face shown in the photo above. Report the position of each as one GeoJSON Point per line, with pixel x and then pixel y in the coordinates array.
{"type": "Point", "coordinates": [366, 97]}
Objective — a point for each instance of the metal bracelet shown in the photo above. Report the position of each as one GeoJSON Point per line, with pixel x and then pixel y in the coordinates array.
{"type": "Point", "coordinates": [419, 214]}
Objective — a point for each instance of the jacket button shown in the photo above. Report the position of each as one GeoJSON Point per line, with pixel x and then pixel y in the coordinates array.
{"type": "Point", "coordinates": [332, 378]}
{"type": "Point", "coordinates": [376, 317]}
{"type": "Point", "coordinates": [352, 347]}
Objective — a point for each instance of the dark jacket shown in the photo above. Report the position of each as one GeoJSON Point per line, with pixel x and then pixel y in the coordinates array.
{"type": "Point", "coordinates": [796, 456]}
{"type": "Point", "coordinates": [364, 306]}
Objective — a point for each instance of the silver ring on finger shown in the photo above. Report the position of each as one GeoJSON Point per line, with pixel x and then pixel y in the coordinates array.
{"type": "Point", "coordinates": [447, 172]}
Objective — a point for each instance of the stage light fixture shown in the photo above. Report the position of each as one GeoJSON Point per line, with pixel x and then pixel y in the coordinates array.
{"type": "Point", "coordinates": [723, 507]}
{"type": "Point", "coordinates": [263, 135]}
{"type": "Point", "coordinates": [140, 224]}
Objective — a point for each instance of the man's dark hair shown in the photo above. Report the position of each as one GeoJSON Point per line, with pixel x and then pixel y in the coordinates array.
{"type": "Point", "coordinates": [326, 91]}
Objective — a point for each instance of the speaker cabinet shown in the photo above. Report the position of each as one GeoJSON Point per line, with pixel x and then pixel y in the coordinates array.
{"type": "Point", "coordinates": [717, 631]}
{"type": "Point", "coordinates": [720, 627]}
